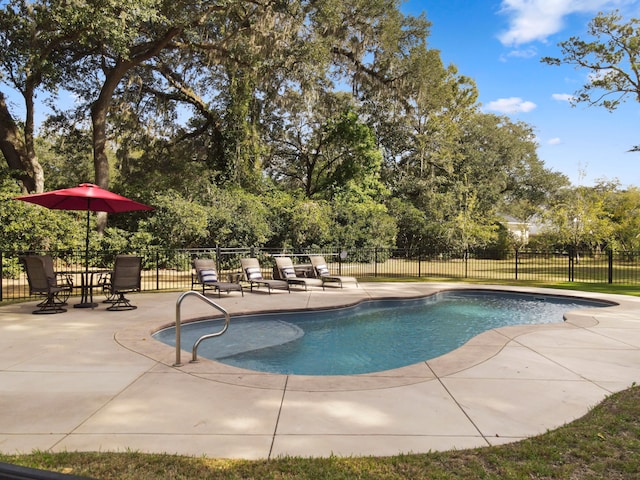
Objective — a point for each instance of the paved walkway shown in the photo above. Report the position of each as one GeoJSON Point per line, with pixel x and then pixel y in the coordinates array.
{"type": "Point", "coordinates": [95, 380]}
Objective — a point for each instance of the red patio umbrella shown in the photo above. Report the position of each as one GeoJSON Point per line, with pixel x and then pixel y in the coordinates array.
{"type": "Point", "coordinates": [85, 196]}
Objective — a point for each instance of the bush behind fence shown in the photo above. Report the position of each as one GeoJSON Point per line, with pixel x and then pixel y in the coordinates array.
{"type": "Point", "coordinates": [172, 269]}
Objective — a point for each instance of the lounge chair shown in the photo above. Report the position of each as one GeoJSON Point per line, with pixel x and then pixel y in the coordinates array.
{"type": "Point", "coordinates": [322, 271]}
{"type": "Point", "coordinates": [207, 276]}
{"type": "Point", "coordinates": [253, 275]}
{"type": "Point", "coordinates": [43, 281]}
{"type": "Point", "coordinates": [125, 279]}
{"type": "Point", "coordinates": [287, 272]}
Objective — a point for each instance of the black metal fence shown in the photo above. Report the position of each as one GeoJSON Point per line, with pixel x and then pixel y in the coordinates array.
{"type": "Point", "coordinates": [172, 269]}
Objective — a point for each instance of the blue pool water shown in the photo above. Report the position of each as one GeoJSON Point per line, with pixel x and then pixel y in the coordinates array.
{"type": "Point", "coordinates": [370, 337]}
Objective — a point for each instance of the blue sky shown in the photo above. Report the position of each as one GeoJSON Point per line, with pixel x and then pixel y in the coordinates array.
{"type": "Point", "coordinates": [499, 45]}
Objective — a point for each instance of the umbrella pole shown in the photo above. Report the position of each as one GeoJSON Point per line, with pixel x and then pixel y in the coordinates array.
{"type": "Point", "coordinates": [86, 294]}
{"type": "Point", "coordinates": [86, 245]}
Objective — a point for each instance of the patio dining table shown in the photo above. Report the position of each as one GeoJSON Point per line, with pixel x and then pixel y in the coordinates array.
{"type": "Point", "coordinates": [89, 280]}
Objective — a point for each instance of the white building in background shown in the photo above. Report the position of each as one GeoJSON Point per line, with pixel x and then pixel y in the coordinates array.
{"type": "Point", "coordinates": [519, 229]}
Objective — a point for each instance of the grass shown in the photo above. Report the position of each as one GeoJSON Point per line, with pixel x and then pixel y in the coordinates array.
{"type": "Point", "coordinates": [612, 288]}
{"type": "Point", "coordinates": [605, 443]}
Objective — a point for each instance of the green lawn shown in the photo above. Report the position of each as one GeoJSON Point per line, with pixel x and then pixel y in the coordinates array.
{"type": "Point", "coordinates": [613, 288]}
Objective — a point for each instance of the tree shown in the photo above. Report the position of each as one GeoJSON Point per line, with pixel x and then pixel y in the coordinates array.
{"type": "Point", "coordinates": [65, 152]}
{"type": "Point", "coordinates": [531, 188]}
{"type": "Point", "coordinates": [322, 147]}
{"type": "Point", "coordinates": [509, 178]}
{"type": "Point", "coordinates": [27, 227]}
{"type": "Point", "coordinates": [361, 223]}
{"type": "Point", "coordinates": [91, 47]}
{"type": "Point", "coordinates": [116, 40]}
{"type": "Point", "coordinates": [475, 167]}
{"type": "Point", "coordinates": [579, 218]}
{"type": "Point", "coordinates": [224, 60]}
{"type": "Point", "coordinates": [624, 209]}
{"type": "Point", "coordinates": [612, 59]}
{"type": "Point", "coordinates": [32, 45]}
{"type": "Point", "coordinates": [421, 128]}
{"type": "Point", "coordinates": [177, 222]}
{"type": "Point", "coordinates": [48, 44]}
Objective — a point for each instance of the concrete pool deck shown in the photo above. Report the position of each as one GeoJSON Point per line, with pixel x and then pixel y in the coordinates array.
{"type": "Point", "coordinates": [93, 380]}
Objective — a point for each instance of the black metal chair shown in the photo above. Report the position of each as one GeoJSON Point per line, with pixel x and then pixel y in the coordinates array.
{"type": "Point", "coordinates": [104, 283]}
{"type": "Point", "coordinates": [44, 281]}
{"type": "Point", "coordinates": [126, 278]}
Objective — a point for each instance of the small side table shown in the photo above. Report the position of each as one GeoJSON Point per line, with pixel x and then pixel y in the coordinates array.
{"type": "Point", "coordinates": [234, 277]}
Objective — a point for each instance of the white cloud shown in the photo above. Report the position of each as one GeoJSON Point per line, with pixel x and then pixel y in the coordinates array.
{"type": "Point", "coordinates": [600, 74]}
{"type": "Point", "coordinates": [526, 53]}
{"type": "Point", "coordinates": [511, 105]}
{"type": "Point", "coordinates": [535, 20]}
{"type": "Point", "coordinates": [562, 97]}
{"type": "Point", "coordinates": [554, 141]}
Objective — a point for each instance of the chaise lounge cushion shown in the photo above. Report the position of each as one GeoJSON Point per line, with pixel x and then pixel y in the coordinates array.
{"type": "Point", "coordinates": [208, 276]}
{"type": "Point", "coordinates": [322, 270]}
{"type": "Point", "coordinates": [288, 272]}
{"type": "Point", "coordinates": [253, 273]}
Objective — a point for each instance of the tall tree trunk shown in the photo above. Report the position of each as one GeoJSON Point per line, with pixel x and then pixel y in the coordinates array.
{"type": "Point", "coordinates": [100, 109]}
{"type": "Point", "coordinates": [100, 160]}
{"type": "Point", "coordinates": [18, 152]}
{"type": "Point", "coordinates": [242, 163]}
{"type": "Point", "coordinates": [99, 112]}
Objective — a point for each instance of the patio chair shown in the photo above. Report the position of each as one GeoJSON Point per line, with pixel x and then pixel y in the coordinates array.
{"type": "Point", "coordinates": [253, 275]}
{"type": "Point", "coordinates": [287, 272]}
{"type": "Point", "coordinates": [63, 279]}
{"type": "Point", "coordinates": [207, 276]}
{"type": "Point", "coordinates": [322, 271]}
{"type": "Point", "coordinates": [126, 278]}
{"type": "Point", "coordinates": [43, 281]}
{"type": "Point", "coordinates": [104, 283]}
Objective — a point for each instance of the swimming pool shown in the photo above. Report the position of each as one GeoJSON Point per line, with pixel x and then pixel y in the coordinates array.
{"type": "Point", "coordinates": [372, 336]}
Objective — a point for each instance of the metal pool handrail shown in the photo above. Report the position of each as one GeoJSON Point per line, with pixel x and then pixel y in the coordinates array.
{"type": "Point", "coordinates": [194, 350]}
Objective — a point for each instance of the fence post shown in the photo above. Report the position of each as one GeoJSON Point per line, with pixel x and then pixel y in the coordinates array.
{"type": "Point", "coordinates": [419, 265]}
{"type": "Point", "coordinates": [375, 262]}
{"type": "Point", "coordinates": [157, 270]}
{"type": "Point", "coordinates": [610, 269]}
{"type": "Point", "coordinates": [571, 263]}
{"type": "Point", "coordinates": [517, 263]}
{"type": "Point", "coordinates": [466, 263]}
